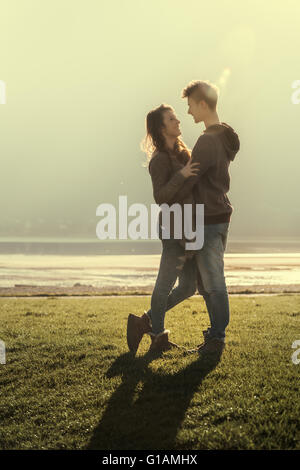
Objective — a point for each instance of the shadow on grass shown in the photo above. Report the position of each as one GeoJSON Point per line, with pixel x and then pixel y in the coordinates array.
{"type": "Point", "coordinates": [148, 408]}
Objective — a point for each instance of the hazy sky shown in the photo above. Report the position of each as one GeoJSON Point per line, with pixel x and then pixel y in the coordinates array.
{"type": "Point", "coordinates": [81, 76]}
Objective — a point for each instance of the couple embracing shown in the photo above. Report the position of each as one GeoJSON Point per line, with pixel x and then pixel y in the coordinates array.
{"type": "Point", "coordinates": [201, 177]}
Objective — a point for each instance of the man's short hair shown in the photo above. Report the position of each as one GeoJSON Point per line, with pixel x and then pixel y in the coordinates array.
{"type": "Point", "coordinates": [202, 90]}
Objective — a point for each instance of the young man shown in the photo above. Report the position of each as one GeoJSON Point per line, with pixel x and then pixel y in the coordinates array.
{"type": "Point", "coordinates": [214, 150]}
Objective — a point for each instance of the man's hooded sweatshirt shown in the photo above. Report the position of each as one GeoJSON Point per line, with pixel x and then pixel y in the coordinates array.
{"type": "Point", "coordinates": [214, 150]}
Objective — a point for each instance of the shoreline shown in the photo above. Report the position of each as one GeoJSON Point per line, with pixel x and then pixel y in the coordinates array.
{"type": "Point", "coordinates": [113, 291]}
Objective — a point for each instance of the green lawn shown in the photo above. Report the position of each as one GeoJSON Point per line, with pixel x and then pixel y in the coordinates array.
{"type": "Point", "coordinates": [69, 382]}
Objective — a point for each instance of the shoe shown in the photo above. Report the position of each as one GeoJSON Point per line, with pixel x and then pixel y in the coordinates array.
{"type": "Point", "coordinates": [200, 346]}
{"type": "Point", "coordinates": [161, 343]}
{"type": "Point", "coordinates": [212, 346]}
{"type": "Point", "coordinates": [136, 328]}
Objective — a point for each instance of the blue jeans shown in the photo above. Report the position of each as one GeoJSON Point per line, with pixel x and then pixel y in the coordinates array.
{"type": "Point", "coordinates": [211, 280]}
{"type": "Point", "coordinates": [172, 265]}
{"type": "Point", "coordinates": [206, 269]}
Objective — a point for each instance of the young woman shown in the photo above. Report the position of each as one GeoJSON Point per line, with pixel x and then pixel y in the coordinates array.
{"type": "Point", "coordinates": [169, 167]}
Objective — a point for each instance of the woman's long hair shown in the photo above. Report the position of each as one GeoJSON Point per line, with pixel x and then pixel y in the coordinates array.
{"type": "Point", "coordinates": [154, 140]}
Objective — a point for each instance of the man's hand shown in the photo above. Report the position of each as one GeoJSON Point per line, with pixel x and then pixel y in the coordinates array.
{"type": "Point", "coordinates": [190, 169]}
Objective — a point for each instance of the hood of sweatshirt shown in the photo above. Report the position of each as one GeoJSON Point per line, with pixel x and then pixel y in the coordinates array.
{"type": "Point", "coordinates": [228, 137]}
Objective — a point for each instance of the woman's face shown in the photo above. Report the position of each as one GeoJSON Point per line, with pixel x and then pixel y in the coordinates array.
{"type": "Point", "coordinates": [171, 124]}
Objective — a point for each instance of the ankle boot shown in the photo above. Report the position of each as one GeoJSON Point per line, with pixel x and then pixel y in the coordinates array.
{"type": "Point", "coordinates": [136, 328]}
{"type": "Point", "coordinates": [210, 345]}
{"type": "Point", "coordinates": [160, 342]}
{"type": "Point", "coordinates": [200, 346]}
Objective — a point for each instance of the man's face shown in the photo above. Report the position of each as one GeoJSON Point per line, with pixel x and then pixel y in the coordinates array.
{"type": "Point", "coordinates": [197, 110]}
{"type": "Point", "coordinates": [171, 124]}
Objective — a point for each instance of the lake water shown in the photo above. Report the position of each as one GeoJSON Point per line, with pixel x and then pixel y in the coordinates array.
{"type": "Point", "coordinates": [53, 263]}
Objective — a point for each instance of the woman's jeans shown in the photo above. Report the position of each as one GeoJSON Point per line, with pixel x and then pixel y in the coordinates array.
{"type": "Point", "coordinates": [173, 264]}
{"type": "Point", "coordinates": [207, 268]}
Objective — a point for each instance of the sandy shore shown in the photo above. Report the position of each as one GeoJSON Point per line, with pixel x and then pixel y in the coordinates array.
{"type": "Point", "coordinates": [81, 290]}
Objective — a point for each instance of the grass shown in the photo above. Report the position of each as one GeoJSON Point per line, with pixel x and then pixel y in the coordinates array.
{"type": "Point", "coordinates": [69, 382]}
